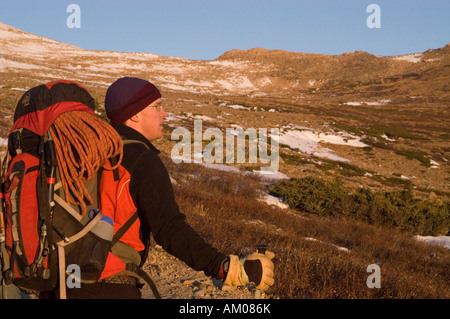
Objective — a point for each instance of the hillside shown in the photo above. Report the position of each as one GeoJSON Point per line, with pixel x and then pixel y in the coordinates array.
{"type": "Point", "coordinates": [370, 121]}
{"type": "Point", "coordinates": [397, 107]}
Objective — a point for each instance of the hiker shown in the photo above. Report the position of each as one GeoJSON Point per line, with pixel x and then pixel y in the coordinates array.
{"type": "Point", "coordinates": [134, 108]}
{"type": "Point", "coordinates": [79, 199]}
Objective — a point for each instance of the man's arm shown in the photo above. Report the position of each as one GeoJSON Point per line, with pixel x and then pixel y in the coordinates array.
{"type": "Point", "coordinates": [155, 199]}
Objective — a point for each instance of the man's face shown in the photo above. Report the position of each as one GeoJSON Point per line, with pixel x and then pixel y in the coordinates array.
{"type": "Point", "coordinates": [151, 119]}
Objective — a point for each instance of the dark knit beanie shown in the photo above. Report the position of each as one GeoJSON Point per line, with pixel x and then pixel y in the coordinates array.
{"type": "Point", "coordinates": [127, 97]}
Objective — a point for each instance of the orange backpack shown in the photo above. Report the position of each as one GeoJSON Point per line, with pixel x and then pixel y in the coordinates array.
{"type": "Point", "coordinates": [47, 237]}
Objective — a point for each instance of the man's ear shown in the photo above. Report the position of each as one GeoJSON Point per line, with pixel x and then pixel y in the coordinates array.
{"type": "Point", "coordinates": [133, 121]}
{"type": "Point", "coordinates": [135, 118]}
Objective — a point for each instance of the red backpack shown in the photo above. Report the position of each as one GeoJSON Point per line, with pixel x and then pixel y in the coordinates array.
{"type": "Point", "coordinates": [49, 233]}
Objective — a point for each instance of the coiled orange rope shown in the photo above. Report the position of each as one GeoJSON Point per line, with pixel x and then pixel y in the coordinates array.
{"type": "Point", "coordinates": [83, 144]}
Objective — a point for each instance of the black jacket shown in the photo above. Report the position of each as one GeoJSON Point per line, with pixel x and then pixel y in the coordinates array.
{"type": "Point", "coordinates": [159, 214]}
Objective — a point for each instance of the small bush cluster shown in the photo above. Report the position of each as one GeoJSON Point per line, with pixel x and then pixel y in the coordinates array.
{"type": "Point", "coordinates": [398, 209]}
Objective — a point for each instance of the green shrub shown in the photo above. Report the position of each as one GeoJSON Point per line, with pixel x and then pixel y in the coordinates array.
{"type": "Point", "coordinates": [309, 194]}
{"type": "Point", "coordinates": [396, 209]}
{"type": "Point", "coordinates": [420, 156]}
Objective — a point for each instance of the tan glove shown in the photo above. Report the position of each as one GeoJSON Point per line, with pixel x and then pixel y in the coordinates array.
{"type": "Point", "coordinates": [254, 269]}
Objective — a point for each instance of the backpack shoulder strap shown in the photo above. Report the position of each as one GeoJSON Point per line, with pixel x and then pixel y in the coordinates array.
{"type": "Point", "coordinates": [128, 141]}
{"type": "Point", "coordinates": [114, 160]}
{"type": "Point", "coordinates": [135, 271]}
{"type": "Point", "coordinates": [122, 230]}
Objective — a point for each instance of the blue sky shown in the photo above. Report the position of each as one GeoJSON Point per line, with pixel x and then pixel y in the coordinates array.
{"type": "Point", "coordinates": [204, 29]}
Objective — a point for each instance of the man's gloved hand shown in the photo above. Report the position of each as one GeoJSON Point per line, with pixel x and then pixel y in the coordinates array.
{"type": "Point", "coordinates": [255, 268]}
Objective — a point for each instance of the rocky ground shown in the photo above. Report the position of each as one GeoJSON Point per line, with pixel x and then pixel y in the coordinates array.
{"type": "Point", "coordinates": [175, 280]}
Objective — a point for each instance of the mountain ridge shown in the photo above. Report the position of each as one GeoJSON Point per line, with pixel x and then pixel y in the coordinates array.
{"type": "Point", "coordinates": [265, 68]}
{"type": "Point", "coordinates": [347, 67]}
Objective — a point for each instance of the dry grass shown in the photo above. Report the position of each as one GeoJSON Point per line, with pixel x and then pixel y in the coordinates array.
{"type": "Point", "coordinates": [224, 208]}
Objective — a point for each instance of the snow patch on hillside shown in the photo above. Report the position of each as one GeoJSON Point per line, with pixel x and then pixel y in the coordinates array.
{"type": "Point", "coordinates": [413, 58]}
{"type": "Point", "coordinates": [435, 240]}
{"type": "Point", "coordinates": [310, 142]}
